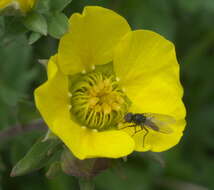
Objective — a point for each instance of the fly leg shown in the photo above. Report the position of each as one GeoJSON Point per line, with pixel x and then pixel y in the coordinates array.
{"type": "Point", "coordinates": [147, 131]}
{"type": "Point", "coordinates": [128, 126]}
{"type": "Point", "coordinates": [135, 128]}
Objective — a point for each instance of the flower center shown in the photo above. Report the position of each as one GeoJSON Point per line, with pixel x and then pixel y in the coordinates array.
{"type": "Point", "coordinates": [97, 101]}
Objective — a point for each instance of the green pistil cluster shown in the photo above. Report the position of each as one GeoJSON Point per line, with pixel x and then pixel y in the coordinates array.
{"type": "Point", "coordinates": [97, 101]}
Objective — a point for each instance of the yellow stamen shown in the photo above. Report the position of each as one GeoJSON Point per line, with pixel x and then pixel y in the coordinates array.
{"type": "Point", "coordinates": [98, 101]}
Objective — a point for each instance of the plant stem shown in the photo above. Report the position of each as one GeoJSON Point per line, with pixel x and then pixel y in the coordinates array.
{"type": "Point", "coordinates": [86, 184]}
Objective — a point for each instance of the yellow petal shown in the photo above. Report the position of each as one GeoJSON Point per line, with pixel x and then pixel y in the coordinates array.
{"type": "Point", "coordinates": [52, 67]}
{"type": "Point", "coordinates": [52, 97]}
{"type": "Point", "coordinates": [26, 5]}
{"type": "Point", "coordinates": [91, 39]}
{"type": "Point", "coordinates": [53, 103]}
{"type": "Point", "coordinates": [148, 70]}
{"type": "Point", "coordinates": [4, 3]}
{"type": "Point", "coordinates": [156, 141]}
{"type": "Point", "coordinates": [159, 142]}
{"type": "Point", "coordinates": [86, 143]}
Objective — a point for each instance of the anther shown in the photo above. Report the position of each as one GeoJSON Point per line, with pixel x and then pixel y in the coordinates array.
{"type": "Point", "coordinates": [69, 95]}
{"type": "Point", "coordinates": [83, 71]}
{"type": "Point", "coordinates": [83, 127]}
{"type": "Point", "coordinates": [123, 89]}
{"type": "Point", "coordinates": [117, 79]}
{"type": "Point", "coordinates": [98, 101]}
{"type": "Point", "coordinates": [120, 124]}
{"type": "Point", "coordinates": [93, 67]}
{"type": "Point", "coordinates": [69, 107]}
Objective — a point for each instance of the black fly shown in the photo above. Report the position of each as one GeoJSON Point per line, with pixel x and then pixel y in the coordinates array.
{"type": "Point", "coordinates": [157, 122]}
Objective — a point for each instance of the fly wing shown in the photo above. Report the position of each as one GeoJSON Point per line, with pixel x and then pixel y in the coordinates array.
{"type": "Point", "coordinates": [159, 122]}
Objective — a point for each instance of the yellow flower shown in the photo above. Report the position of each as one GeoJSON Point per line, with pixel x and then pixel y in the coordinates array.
{"type": "Point", "coordinates": [102, 71]}
{"type": "Point", "coordinates": [23, 5]}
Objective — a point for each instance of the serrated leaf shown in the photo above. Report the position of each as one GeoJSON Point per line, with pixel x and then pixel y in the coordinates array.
{"type": "Point", "coordinates": [37, 157]}
{"type": "Point", "coordinates": [36, 22]}
{"type": "Point", "coordinates": [57, 25]}
{"type": "Point", "coordinates": [34, 37]}
{"type": "Point", "coordinates": [57, 5]}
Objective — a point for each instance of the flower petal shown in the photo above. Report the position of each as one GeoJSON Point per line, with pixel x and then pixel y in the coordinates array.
{"type": "Point", "coordinates": [52, 67]}
{"type": "Point", "coordinates": [52, 97]}
{"type": "Point", "coordinates": [53, 103]}
{"type": "Point", "coordinates": [158, 142]}
{"type": "Point", "coordinates": [148, 70]}
{"type": "Point", "coordinates": [86, 143]}
{"type": "Point", "coordinates": [4, 3]}
{"type": "Point", "coordinates": [155, 141]}
{"type": "Point", "coordinates": [91, 39]}
{"type": "Point", "coordinates": [26, 5]}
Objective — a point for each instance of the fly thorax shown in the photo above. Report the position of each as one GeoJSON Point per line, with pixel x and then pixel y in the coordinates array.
{"type": "Point", "coordinates": [97, 100]}
{"type": "Point", "coordinates": [139, 118]}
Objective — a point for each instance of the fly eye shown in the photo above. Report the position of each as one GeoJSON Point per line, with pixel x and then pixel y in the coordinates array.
{"type": "Point", "coordinates": [128, 117]}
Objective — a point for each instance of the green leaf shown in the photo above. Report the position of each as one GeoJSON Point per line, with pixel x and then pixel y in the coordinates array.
{"type": "Point", "coordinates": [59, 5]}
{"type": "Point", "coordinates": [34, 37]}
{"type": "Point", "coordinates": [53, 170]}
{"type": "Point", "coordinates": [25, 142]}
{"type": "Point", "coordinates": [42, 6]}
{"type": "Point", "coordinates": [57, 24]}
{"type": "Point", "coordinates": [36, 22]}
{"type": "Point", "coordinates": [26, 111]}
{"type": "Point", "coordinates": [13, 27]}
{"type": "Point", "coordinates": [38, 156]}
{"type": "Point", "coordinates": [2, 26]}
{"type": "Point", "coordinates": [14, 82]}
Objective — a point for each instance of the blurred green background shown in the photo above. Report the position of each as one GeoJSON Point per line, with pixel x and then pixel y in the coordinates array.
{"type": "Point", "coordinates": [188, 166]}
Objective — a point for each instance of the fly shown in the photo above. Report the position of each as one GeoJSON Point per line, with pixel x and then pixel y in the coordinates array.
{"type": "Point", "coordinates": [157, 122]}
